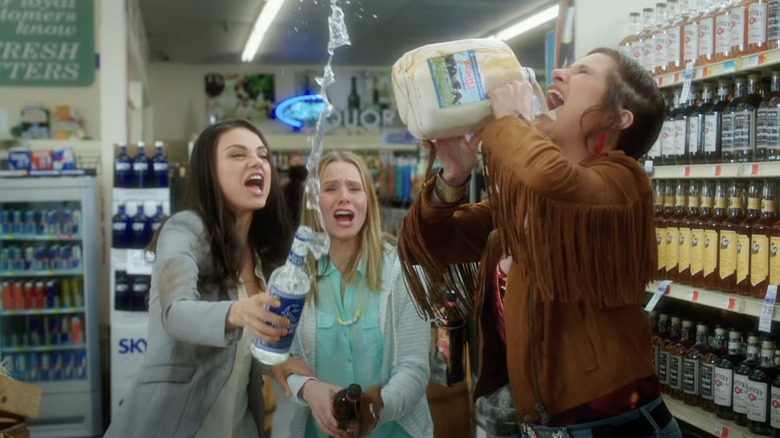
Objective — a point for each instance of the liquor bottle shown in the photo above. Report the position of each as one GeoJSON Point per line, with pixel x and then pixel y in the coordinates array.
{"type": "Point", "coordinates": [346, 407]}
{"type": "Point", "coordinates": [728, 239]}
{"type": "Point", "coordinates": [647, 41]}
{"type": "Point", "coordinates": [744, 232]}
{"type": "Point", "coordinates": [741, 379]}
{"type": "Point", "coordinates": [677, 38]}
{"type": "Point", "coordinates": [774, 404]}
{"type": "Point", "coordinates": [673, 230]}
{"type": "Point", "coordinates": [658, 339]}
{"type": "Point", "coordinates": [665, 354]}
{"type": "Point", "coordinates": [723, 32]}
{"type": "Point", "coordinates": [745, 120]}
{"type": "Point", "coordinates": [709, 362]}
{"type": "Point", "coordinates": [707, 33]}
{"type": "Point", "coordinates": [634, 28]}
{"type": "Point", "coordinates": [121, 291]}
{"type": "Point", "coordinates": [727, 121]}
{"type": "Point", "coordinates": [141, 167]}
{"type": "Point", "coordinates": [660, 225]}
{"type": "Point", "coordinates": [140, 227]}
{"type": "Point", "coordinates": [123, 168]}
{"type": "Point", "coordinates": [757, 26]}
{"type": "Point", "coordinates": [739, 28]}
{"type": "Point", "coordinates": [676, 356]}
{"type": "Point", "coordinates": [712, 124]}
{"type": "Point", "coordinates": [773, 27]}
{"type": "Point", "coordinates": [692, 362]}
{"type": "Point", "coordinates": [697, 233]}
{"type": "Point", "coordinates": [686, 231]}
{"type": "Point", "coordinates": [160, 166]}
{"type": "Point", "coordinates": [761, 234]}
{"type": "Point", "coordinates": [769, 121]}
{"type": "Point", "coordinates": [668, 131]}
{"type": "Point", "coordinates": [353, 100]}
{"type": "Point", "coordinates": [450, 339]}
{"type": "Point", "coordinates": [121, 226]}
{"type": "Point", "coordinates": [156, 221]}
{"type": "Point", "coordinates": [290, 284]}
{"type": "Point", "coordinates": [691, 35]}
{"type": "Point", "coordinates": [681, 127]}
{"type": "Point", "coordinates": [696, 125]}
{"type": "Point", "coordinates": [724, 376]}
{"type": "Point", "coordinates": [139, 296]}
{"type": "Point", "coordinates": [758, 398]}
{"type": "Point", "coordinates": [712, 230]}
{"type": "Point", "coordinates": [661, 37]}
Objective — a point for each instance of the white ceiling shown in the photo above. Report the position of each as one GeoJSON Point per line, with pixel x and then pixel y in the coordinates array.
{"type": "Point", "coordinates": [215, 31]}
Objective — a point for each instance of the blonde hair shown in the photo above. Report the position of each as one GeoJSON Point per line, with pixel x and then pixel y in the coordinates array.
{"type": "Point", "coordinates": [371, 238]}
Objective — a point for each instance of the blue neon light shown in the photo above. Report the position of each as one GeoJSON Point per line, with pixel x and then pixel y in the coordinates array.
{"type": "Point", "coordinates": [298, 110]}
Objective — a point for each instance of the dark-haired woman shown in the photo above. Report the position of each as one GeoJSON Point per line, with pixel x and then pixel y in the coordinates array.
{"type": "Point", "coordinates": [570, 214]}
{"type": "Point", "coordinates": [208, 296]}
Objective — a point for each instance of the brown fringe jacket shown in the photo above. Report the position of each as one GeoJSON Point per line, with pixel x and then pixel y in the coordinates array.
{"type": "Point", "coordinates": [583, 243]}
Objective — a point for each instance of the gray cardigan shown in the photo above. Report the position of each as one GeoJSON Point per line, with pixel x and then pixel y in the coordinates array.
{"type": "Point", "coordinates": [189, 355]}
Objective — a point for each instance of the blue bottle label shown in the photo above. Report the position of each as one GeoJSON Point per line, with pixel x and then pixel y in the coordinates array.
{"type": "Point", "coordinates": [292, 307]}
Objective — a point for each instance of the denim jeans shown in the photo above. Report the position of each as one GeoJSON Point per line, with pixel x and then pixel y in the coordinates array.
{"type": "Point", "coordinates": [671, 430]}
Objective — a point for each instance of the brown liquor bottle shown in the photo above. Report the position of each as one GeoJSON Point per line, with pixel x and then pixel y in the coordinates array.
{"type": "Point", "coordinates": [692, 366]}
{"type": "Point", "coordinates": [658, 339]}
{"type": "Point", "coordinates": [676, 37]}
{"type": "Point", "coordinates": [724, 376]}
{"type": "Point", "coordinates": [758, 399]}
{"type": "Point", "coordinates": [708, 364]}
{"type": "Point", "coordinates": [757, 26]}
{"type": "Point", "coordinates": [686, 233]}
{"type": "Point", "coordinates": [723, 32]}
{"type": "Point", "coordinates": [767, 132]}
{"type": "Point", "coordinates": [739, 28]}
{"type": "Point", "coordinates": [707, 34]}
{"type": "Point", "coordinates": [744, 231]}
{"type": "Point", "coordinates": [673, 232]}
{"type": "Point", "coordinates": [647, 41]}
{"type": "Point", "coordinates": [697, 234]}
{"type": "Point", "coordinates": [760, 242]}
{"type": "Point", "coordinates": [346, 406]}
{"type": "Point", "coordinates": [741, 379]}
{"type": "Point", "coordinates": [660, 226]}
{"type": "Point", "coordinates": [728, 239]}
{"type": "Point", "coordinates": [634, 28]}
{"type": "Point", "coordinates": [712, 238]}
{"type": "Point", "coordinates": [676, 359]}
{"type": "Point", "coordinates": [665, 354]}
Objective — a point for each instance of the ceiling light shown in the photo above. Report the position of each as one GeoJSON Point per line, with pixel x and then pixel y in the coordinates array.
{"type": "Point", "coordinates": [264, 21]}
{"type": "Point", "coordinates": [528, 24]}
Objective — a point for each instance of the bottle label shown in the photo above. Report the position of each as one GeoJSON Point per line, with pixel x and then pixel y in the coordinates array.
{"type": "Point", "coordinates": [744, 129]}
{"type": "Point", "coordinates": [691, 43]}
{"type": "Point", "coordinates": [119, 226]}
{"type": "Point", "coordinates": [761, 128]}
{"type": "Point", "coordinates": [756, 401]}
{"type": "Point", "coordinates": [773, 21]}
{"type": "Point", "coordinates": [707, 37]}
{"type": "Point", "coordinates": [721, 203]}
{"type": "Point", "coordinates": [759, 259]}
{"type": "Point", "coordinates": [706, 380]}
{"type": "Point", "coordinates": [738, 27]}
{"type": "Point", "coordinates": [684, 261]}
{"type": "Point", "coordinates": [297, 259]}
{"type": "Point", "coordinates": [443, 343]}
{"type": "Point", "coordinates": [743, 257]}
{"type": "Point", "coordinates": [672, 249]}
{"type": "Point", "coordinates": [648, 54]}
{"type": "Point", "coordinates": [694, 137]}
{"type": "Point", "coordinates": [740, 393]}
{"type": "Point", "coordinates": [661, 43]}
{"type": "Point", "coordinates": [636, 51]}
{"type": "Point", "coordinates": [457, 79]}
{"type": "Point", "coordinates": [772, 129]}
{"type": "Point", "coordinates": [710, 133]}
{"type": "Point", "coordinates": [655, 151]}
{"type": "Point", "coordinates": [706, 201]}
{"type": "Point", "coordinates": [673, 41]}
{"type": "Point", "coordinates": [774, 260]}
{"type": "Point", "coordinates": [774, 408]}
{"type": "Point", "coordinates": [122, 166]}
{"type": "Point", "coordinates": [679, 138]}
{"type": "Point", "coordinates": [728, 253]}
{"type": "Point", "coordinates": [680, 201]}
{"type": "Point", "coordinates": [754, 203]}
{"type": "Point", "coordinates": [697, 251]}
{"type": "Point", "coordinates": [768, 206]}
{"type": "Point", "coordinates": [675, 371]}
{"type": "Point", "coordinates": [710, 251]}
{"type": "Point", "coordinates": [292, 307]}
{"type": "Point", "coordinates": [723, 34]}
{"type": "Point", "coordinates": [160, 167]}
{"type": "Point", "coordinates": [726, 132]}
{"type": "Point", "coordinates": [757, 24]}
{"type": "Point", "coordinates": [140, 166]}
{"type": "Point", "coordinates": [660, 235]}
{"type": "Point", "coordinates": [663, 367]}
{"type": "Point", "coordinates": [723, 379]}
{"type": "Point", "coordinates": [690, 383]}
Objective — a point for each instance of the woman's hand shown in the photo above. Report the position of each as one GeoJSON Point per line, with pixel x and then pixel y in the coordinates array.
{"type": "Point", "coordinates": [251, 314]}
{"type": "Point", "coordinates": [319, 396]}
{"type": "Point", "coordinates": [370, 405]}
{"type": "Point", "coordinates": [293, 365]}
{"type": "Point", "coordinates": [513, 98]}
{"type": "Point", "coordinates": [458, 156]}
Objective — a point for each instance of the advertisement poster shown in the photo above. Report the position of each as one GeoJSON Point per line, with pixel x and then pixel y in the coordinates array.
{"type": "Point", "coordinates": [247, 96]}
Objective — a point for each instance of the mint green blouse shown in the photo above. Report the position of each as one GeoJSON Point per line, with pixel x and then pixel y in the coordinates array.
{"type": "Point", "coordinates": [349, 353]}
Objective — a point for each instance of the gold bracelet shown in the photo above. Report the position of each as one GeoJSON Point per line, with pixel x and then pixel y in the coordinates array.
{"type": "Point", "coordinates": [448, 194]}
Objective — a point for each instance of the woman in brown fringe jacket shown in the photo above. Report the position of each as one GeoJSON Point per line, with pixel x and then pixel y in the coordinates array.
{"type": "Point", "coordinates": [560, 318]}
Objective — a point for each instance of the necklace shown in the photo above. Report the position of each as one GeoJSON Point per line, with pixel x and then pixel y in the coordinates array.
{"type": "Point", "coordinates": [358, 312]}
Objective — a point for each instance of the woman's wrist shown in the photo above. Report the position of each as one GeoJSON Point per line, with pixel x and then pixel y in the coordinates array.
{"type": "Point", "coordinates": [450, 192]}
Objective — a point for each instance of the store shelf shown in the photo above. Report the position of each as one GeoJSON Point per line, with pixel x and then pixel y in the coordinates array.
{"type": "Point", "coordinates": [727, 170]}
{"type": "Point", "coordinates": [45, 348]}
{"type": "Point", "coordinates": [758, 60]}
{"type": "Point", "coordinates": [41, 238]}
{"type": "Point", "coordinates": [718, 300]}
{"type": "Point", "coordinates": [49, 273]}
{"type": "Point", "coordinates": [54, 311]}
{"type": "Point", "coordinates": [358, 142]}
{"type": "Point", "coordinates": [151, 194]}
{"type": "Point", "coordinates": [706, 421]}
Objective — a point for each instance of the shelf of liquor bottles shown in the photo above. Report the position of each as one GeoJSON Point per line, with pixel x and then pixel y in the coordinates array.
{"type": "Point", "coordinates": [732, 66]}
{"type": "Point", "coordinates": [717, 300]}
{"type": "Point", "coordinates": [769, 169]}
{"type": "Point", "coordinates": [706, 421]}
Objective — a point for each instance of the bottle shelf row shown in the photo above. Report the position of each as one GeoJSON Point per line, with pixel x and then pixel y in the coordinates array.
{"type": "Point", "coordinates": [53, 311]}
{"type": "Point", "coordinates": [44, 348]}
{"type": "Point", "coordinates": [722, 68]}
{"type": "Point", "coordinates": [48, 273]}
{"type": "Point", "coordinates": [727, 170]}
{"type": "Point", "coordinates": [706, 421]}
{"type": "Point", "coordinates": [41, 237]}
{"type": "Point", "coordinates": [718, 300]}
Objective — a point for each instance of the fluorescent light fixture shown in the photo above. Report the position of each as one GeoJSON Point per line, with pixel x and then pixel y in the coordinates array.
{"type": "Point", "coordinates": [264, 20]}
{"type": "Point", "coordinates": [529, 23]}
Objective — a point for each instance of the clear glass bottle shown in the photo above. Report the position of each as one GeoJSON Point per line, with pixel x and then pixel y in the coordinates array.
{"type": "Point", "coordinates": [647, 41]}
{"type": "Point", "coordinates": [634, 28]}
{"type": "Point", "coordinates": [723, 32]}
{"type": "Point", "coordinates": [677, 38]}
{"type": "Point", "coordinates": [707, 32]}
{"type": "Point", "coordinates": [660, 37]}
{"type": "Point", "coordinates": [691, 34]}
{"type": "Point", "coordinates": [757, 26]}
{"type": "Point", "coordinates": [739, 28]}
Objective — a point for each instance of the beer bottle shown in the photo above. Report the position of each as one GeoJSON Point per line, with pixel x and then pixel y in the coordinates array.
{"type": "Point", "coordinates": [346, 406]}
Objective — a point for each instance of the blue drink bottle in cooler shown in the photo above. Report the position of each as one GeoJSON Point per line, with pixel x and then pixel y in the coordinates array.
{"type": "Point", "coordinates": [142, 168]}
{"type": "Point", "coordinates": [290, 284]}
{"type": "Point", "coordinates": [123, 168]}
{"type": "Point", "coordinates": [160, 166]}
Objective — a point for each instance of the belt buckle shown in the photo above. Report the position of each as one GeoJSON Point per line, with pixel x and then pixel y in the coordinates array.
{"type": "Point", "coordinates": [527, 431]}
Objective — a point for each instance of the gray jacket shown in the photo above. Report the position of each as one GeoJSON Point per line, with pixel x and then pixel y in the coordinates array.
{"type": "Point", "coordinates": [189, 355]}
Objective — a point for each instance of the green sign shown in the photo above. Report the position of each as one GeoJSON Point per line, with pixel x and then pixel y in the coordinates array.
{"type": "Point", "coordinates": [47, 43]}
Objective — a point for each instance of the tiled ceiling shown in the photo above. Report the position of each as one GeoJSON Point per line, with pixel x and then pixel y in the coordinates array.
{"type": "Point", "coordinates": [215, 31]}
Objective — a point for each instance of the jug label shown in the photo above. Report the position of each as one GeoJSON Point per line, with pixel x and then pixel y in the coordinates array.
{"type": "Point", "coordinates": [456, 79]}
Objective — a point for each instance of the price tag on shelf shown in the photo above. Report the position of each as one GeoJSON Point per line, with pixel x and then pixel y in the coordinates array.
{"type": "Point", "coordinates": [716, 170]}
{"type": "Point", "coordinates": [728, 303]}
{"type": "Point", "coordinates": [649, 167]}
{"type": "Point", "coordinates": [767, 309]}
{"type": "Point", "coordinates": [693, 296]}
{"type": "Point", "coordinates": [750, 170]}
{"type": "Point", "coordinates": [685, 171]}
{"type": "Point", "coordinates": [657, 295]}
{"type": "Point", "coordinates": [687, 77]}
{"type": "Point", "coordinates": [721, 431]}
{"type": "Point", "coordinates": [729, 66]}
{"type": "Point", "coordinates": [137, 263]}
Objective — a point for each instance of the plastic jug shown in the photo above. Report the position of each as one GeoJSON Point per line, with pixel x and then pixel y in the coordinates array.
{"type": "Point", "coordinates": [441, 89]}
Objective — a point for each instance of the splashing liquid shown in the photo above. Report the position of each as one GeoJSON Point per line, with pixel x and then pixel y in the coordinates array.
{"type": "Point", "coordinates": [339, 37]}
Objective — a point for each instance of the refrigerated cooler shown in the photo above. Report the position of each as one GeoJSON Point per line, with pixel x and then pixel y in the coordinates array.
{"type": "Point", "coordinates": [49, 331]}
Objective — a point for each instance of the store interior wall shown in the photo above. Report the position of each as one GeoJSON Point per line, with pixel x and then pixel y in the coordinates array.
{"type": "Point", "coordinates": [603, 23]}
